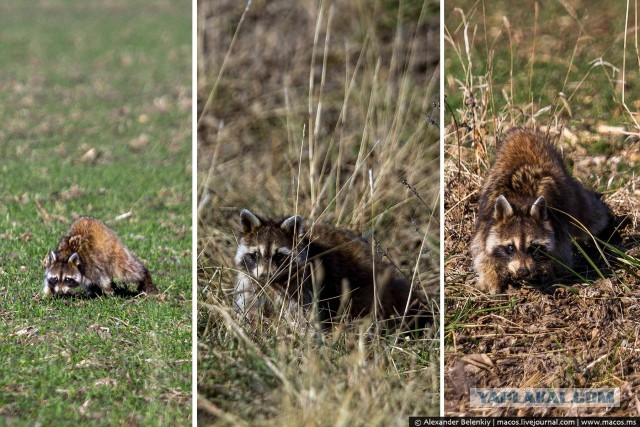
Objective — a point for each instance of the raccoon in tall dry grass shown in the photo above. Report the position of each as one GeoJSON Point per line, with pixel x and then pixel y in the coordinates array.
{"type": "Point", "coordinates": [322, 261]}
{"type": "Point", "coordinates": [91, 255]}
{"type": "Point", "coordinates": [530, 208]}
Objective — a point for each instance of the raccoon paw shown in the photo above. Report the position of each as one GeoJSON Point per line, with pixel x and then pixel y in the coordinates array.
{"type": "Point", "coordinates": [490, 285]}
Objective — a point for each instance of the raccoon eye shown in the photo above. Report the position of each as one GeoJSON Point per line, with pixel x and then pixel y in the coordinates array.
{"type": "Point", "coordinates": [53, 281]}
{"type": "Point", "coordinates": [249, 260]}
{"type": "Point", "coordinates": [278, 258]}
{"type": "Point", "coordinates": [534, 249]}
{"type": "Point", "coordinates": [69, 281]}
{"type": "Point", "coordinates": [511, 249]}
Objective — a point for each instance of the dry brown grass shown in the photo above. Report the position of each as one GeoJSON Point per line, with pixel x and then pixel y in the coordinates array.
{"type": "Point", "coordinates": [312, 100]}
{"type": "Point", "coordinates": [532, 68]}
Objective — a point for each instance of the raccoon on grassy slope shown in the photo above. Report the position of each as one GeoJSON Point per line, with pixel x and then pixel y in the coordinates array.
{"type": "Point", "coordinates": [334, 264]}
{"type": "Point", "coordinates": [530, 207]}
{"type": "Point", "coordinates": [91, 255]}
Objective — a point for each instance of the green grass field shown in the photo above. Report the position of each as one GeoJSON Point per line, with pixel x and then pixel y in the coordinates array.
{"type": "Point", "coordinates": [95, 120]}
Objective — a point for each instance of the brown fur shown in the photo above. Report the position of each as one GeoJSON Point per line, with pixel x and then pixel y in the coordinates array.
{"type": "Point", "coordinates": [530, 207]}
{"type": "Point", "coordinates": [334, 264]}
{"type": "Point", "coordinates": [92, 255]}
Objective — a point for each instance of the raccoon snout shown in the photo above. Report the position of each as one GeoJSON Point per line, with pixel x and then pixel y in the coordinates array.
{"type": "Point", "coordinates": [264, 272]}
{"type": "Point", "coordinates": [520, 268]}
{"type": "Point", "coordinates": [523, 273]}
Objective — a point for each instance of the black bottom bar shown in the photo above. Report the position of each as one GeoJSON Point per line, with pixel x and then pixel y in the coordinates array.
{"type": "Point", "coordinates": [523, 422]}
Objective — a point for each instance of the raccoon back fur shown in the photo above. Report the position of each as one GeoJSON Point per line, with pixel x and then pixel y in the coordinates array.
{"type": "Point", "coordinates": [529, 209]}
{"type": "Point", "coordinates": [91, 255]}
{"type": "Point", "coordinates": [334, 264]}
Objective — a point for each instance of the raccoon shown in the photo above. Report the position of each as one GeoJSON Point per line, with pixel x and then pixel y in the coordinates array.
{"type": "Point", "coordinates": [91, 255]}
{"type": "Point", "coordinates": [334, 264]}
{"type": "Point", "coordinates": [529, 210]}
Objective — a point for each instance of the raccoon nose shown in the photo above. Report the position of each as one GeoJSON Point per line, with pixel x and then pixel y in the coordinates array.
{"type": "Point", "coordinates": [523, 272]}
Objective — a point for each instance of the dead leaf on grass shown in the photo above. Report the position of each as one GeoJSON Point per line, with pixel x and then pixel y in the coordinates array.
{"type": "Point", "coordinates": [106, 382]}
{"type": "Point", "coordinates": [85, 363]}
{"type": "Point", "coordinates": [72, 193]}
{"type": "Point", "coordinates": [101, 330]}
{"type": "Point", "coordinates": [141, 143]}
{"type": "Point", "coordinates": [28, 331]}
{"type": "Point", "coordinates": [84, 411]}
{"type": "Point", "coordinates": [63, 391]}
{"type": "Point", "coordinates": [162, 103]}
{"type": "Point", "coordinates": [90, 156]}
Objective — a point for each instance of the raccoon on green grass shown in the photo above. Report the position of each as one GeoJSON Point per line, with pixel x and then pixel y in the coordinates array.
{"type": "Point", "coordinates": [92, 256]}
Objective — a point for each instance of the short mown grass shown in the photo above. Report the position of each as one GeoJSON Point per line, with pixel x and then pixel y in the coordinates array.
{"type": "Point", "coordinates": [95, 120]}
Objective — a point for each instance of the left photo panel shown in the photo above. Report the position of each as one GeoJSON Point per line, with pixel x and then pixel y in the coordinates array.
{"type": "Point", "coordinates": [95, 237]}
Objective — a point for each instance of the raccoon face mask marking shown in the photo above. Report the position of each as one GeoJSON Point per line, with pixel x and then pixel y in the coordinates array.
{"type": "Point", "coordinates": [519, 242]}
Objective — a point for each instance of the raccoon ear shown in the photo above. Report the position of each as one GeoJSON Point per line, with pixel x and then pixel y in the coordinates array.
{"type": "Point", "coordinates": [48, 260]}
{"type": "Point", "coordinates": [539, 210]}
{"type": "Point", "coordinates": [503, 209]}
{"type": "Point", "coordinates": [249, 221]}
{"type": "Point", "coordinates": [74, 259]}
{"type": "Point", "coordinates": [293, 223]}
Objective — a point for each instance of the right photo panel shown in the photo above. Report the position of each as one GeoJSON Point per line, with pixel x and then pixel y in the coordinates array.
{"type": "Point", "coordinates": [541, 201]}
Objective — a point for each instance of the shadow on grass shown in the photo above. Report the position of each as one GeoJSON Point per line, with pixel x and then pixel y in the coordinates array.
{"type": "Point", "coordinates": [118, 292]}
